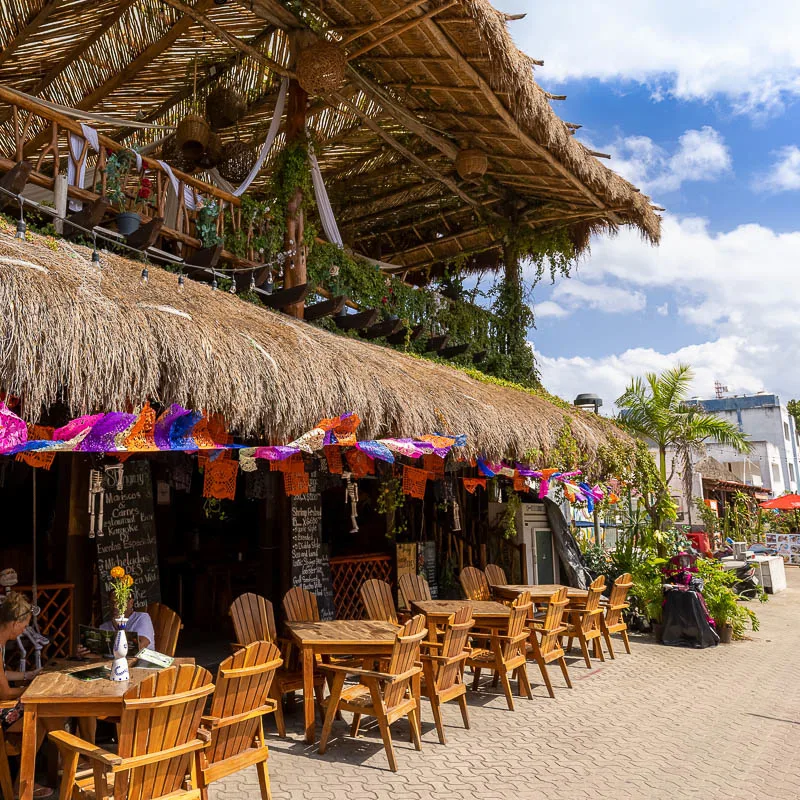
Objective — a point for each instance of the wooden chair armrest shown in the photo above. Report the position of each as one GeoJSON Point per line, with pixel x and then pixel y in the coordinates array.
{"type": "Point", "coordinates": [8, 703]}
{"type": "Point", "coordinates": [619, 608]}
{"type": "Point", "coordinates": [370, 673]}
{"type": "Point", "coordinates": [438, 645]}
{"type": "Point", "coordinates": [445, 662]}
{"type": "Point", "coordinates": [267, 707]}
{"type": "Point", "coordinates": [134, 762]}
{"type": "Point", "coordinates": [77, 745]}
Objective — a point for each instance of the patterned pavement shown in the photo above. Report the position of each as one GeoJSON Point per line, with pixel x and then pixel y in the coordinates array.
{"type": "Point", "coordinates": [661, 723]}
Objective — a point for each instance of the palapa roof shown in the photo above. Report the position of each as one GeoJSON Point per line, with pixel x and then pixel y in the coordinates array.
{"type": "Point", "coordinates": [100, 340]}
{"type": "Point", "coordinates": [715, 471]}
{"type": "Point", "coordinates": [426, 78]}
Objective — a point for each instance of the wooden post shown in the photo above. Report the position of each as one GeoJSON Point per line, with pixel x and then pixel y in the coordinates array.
{"type": "Point", "coordinates": [60, 201]}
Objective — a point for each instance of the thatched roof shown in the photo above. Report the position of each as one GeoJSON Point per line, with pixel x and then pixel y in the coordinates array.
{"type": "Point", "coordinates": [712, 470]}
{"type": "Point", "coordinates": [100, 340]}
{"type": "Point", "coordinates": [433, 77]}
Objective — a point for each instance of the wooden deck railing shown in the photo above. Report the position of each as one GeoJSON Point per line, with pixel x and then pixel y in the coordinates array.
{"type": "Point", "coordinates": [28, 117]}
{"type": "Point", "coordinates": [347, 575]}
{"type": "Point", "coordinates": [55, 618]}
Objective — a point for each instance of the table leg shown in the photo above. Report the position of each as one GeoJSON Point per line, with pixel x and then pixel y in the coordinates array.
{"type": "Point", "coordinates": [27, 767]}
{"type": "Point", "coordinates": [308, 692]}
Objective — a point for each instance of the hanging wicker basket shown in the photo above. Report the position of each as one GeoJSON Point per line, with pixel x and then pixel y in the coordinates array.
{"type": "Point", "coordinates": [224, 107]}
{"type": "Point", "coordinates": [213, 153]}
{"type": "Point", "coordinates": [236, 161]}
{"type": "Point", "coordinates": [471, 164]}
{"type": "Point", "coordinates": [192, 135]}
{"type": "Point", "coordinates": [321, 69]}
{"type": "Point", "coordinates": [173, 155]}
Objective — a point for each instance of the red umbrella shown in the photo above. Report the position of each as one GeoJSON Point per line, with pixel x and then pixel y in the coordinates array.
{"type": "Point", "coordinates": [785, 501]}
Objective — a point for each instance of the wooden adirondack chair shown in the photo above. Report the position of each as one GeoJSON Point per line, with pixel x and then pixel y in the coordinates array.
{"type": "Point", "coordinates": [496, 576]}
{"type": "Point", "coordinates": [474, 583]}
{"type": "Point", "coordinates": [544, 646]}
{"type": "Point", "coordinates": [241, 699]}
{"type": "Point", "coordinates": [300, 605]}
{"type": "Point", "coordinates": [378, 601]}
{"type": "Point", "coordinates": [506, 652]}
{"type": "Point", "coordinates": [6, 749]}
{"type": "Point", "coordinates": [613, 622]}
{"type": "Point", "coordinates": [166, 626]}
{"type": "Point", "coordinates": [443, 670]}
{"type": "Point", "coordinates": [585, 623]}
{"type": "Point", "coordinates": [254, 621]}
{"type": "Point", "coordinates": [157, 742]}
{"type": "Point", "coordinates": [387, 696]}
{"type": "Point", "coordinates": [414, 587]}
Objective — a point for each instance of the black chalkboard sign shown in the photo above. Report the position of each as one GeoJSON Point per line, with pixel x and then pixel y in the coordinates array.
{"type": "Point", "coordinates": [311, 567]}
{"type": "Point", "coordinates": [129, 535]}
{"type": "Point", "coordinates": [428, 550]}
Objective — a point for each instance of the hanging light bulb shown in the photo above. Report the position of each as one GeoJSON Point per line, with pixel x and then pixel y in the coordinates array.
{"type": "Point", "coordinates": [181, 282]}
{"type": "Point", "coordinates": [252, 282]}
{"type": "Point", "coordinates": [214, 281]}
{"type": "Point", "coordinates": [21, 227]}
{"type": "Point", "coordinates": [95, 254]}
{"type": "Point", "coordinates": [268, 286]}
{"type": "Point", "coordinates": [232, 290]}
{"type": "Point", "coordinates": [145, 276]}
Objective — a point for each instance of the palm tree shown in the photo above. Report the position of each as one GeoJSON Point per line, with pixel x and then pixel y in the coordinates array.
{"type": "Point", "coordinates": [655, 408]}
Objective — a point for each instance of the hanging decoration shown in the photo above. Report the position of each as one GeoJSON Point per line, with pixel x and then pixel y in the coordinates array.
{"type": "Point", "coordinates": [434, 465]}
{"type": "Point", "coordinates": [219, 479]}
{"type": "Point", "coordinates": [34, 459]}
{"type": "Point", "coordinates": [414, 482]}
{"type": "Point", "coordinates": [360, 463]}
{"type": "Point", "coordinates": [295, 483]}
{"type": "Point", "coordinates": [333, 455]}
{"type": "Point", "coordinates": [351, 496]}
{"type": "Point", "coordinates": [473, 484]}
{"type": "Point", "coordinates": [96, 502]}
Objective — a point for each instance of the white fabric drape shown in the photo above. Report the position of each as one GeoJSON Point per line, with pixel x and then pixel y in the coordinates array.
{"type": "Point", "coordinates": [188, 194]}
{"type": "Point", "coordinates": [323, 203]}
{"type": "Point", "coordinates": [271, 134]}
{"type": "Point", "coordinates": [76, 177]}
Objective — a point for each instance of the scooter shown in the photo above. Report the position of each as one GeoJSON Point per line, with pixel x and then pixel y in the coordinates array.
{"type": "Point", "coordinates": [747, 584]}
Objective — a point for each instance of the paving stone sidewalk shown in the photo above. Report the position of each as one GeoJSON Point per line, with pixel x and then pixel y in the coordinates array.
{"type": "Point", "coordinates": [662, 723]}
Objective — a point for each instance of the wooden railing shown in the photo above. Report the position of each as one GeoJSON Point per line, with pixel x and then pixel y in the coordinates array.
{"type": "Point", "coordinates": [27, 118]}
{"type": "Point", "coordinates": [347, 575]}
{"type": "Point", "coordinates": [55, 618]}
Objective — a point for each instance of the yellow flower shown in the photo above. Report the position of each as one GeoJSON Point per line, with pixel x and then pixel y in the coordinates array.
{"type": "Point", "coordinates": [117, 572]}
{"type": "Point", "coordinates": [128, 580]}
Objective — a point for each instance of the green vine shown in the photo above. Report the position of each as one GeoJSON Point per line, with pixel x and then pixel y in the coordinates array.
{"type": "Point", "coordinates": [206, 224]}
{"type": "Point", "coordinates": [508, 522]}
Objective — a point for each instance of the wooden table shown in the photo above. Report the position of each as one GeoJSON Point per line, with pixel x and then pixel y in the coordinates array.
{"type": "Point", "coordinates": [539, 592]}
{"type": "Point", "coordinates": [486, 613]}
{"type": "Point", "coordinates": [336, 637]}
{"type": "Point", "coordinates": [55, 692]}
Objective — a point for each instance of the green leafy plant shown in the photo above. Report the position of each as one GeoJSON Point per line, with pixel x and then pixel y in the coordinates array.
{"type": "Point", "coordinates": [213, 509]}
{"type": "Point", "coordinates": [389, 501]}
{"type": "Point", "coordinates": [206, 224]}
{"type": "Point", "coordinates": [723, 603]}
{"type": "Point", "coordinates": [707, 516]}
{"type": "Point", "coordinates": [508, 522]}
{"type": "Point", "coordinates": [647, 590]}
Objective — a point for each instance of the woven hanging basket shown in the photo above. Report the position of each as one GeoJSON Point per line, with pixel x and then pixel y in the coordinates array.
{"type": "Point", "coordinates": [471, 164]}
{"type": "Point", "coordinates": [321, 69]}
{"type": "Point", "coordinates": [224, 107]}
{"type": "Point", "coordinates": [173, 155]}
{"type": "Point", "coordinates": [213, 153]}
{"type": "Point", "coordinates": [236, 161]}
{"type": "Point", "coordinates": [192, 136]}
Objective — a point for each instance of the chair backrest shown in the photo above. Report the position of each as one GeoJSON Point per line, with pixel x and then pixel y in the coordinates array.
{"type": "Point", "coordinates": [590, 622]}
{"type": "Point", "coordinates": [253, 619]}
{"type": "Point", "coordinates": [166, 627]}
{"type": "Point", "coordinates": [520, 609]}
{"type": "Point", "coordinates": [474, 584]}
{"type": "Point", "coordinates": [160, 713]}
{"type": "Point", "coordinates": [300, 605]}
{"type": "Point", "coordinates": [619, 595]}
{"type": "Point", "coordinates": [550, 639]}
{"type": "Point", "coordinates": [414, 587]}
{"type": "Point", "coordinates": [378, 601]}
{"type": "Point", "coordinates": [496, 576]}
{"type": "Point", "coordinates": [405, 654]}
{"type": "Point", "coordinates": [243, 684]}
{"type": "Point", "coordinates": [454, 642]}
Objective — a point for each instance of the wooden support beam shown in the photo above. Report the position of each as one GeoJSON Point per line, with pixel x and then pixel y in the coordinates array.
{"type": "Point", "coordinates": [381, 22]}
{"type": "Point", "coordinates": [390, 140]}
{"type": "Point", "coordinates": [144, 59]}
{"type": "Point", "coordinates": [234, 41]}
{"type": "Point", "coordinates": [33, 27]}
{"type": "Point", "coordinates": [76, 52]}
{"type": "Point", "coordinates": [445, 42]}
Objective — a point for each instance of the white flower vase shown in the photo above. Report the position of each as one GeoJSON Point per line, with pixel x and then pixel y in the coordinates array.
{"type": "Point", "coordinates": [119, 667]}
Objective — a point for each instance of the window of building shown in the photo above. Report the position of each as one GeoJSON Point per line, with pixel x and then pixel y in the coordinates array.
{"type": "Point", "coordinates": [791, 472]}
{"type": "Point", "coordinates": [776, 472]}
{"type": "Point", "coordinates": [786, 429]}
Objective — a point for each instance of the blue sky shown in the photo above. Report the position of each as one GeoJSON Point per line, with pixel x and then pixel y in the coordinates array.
{"type": "Point", "coordinates": [699, 104]}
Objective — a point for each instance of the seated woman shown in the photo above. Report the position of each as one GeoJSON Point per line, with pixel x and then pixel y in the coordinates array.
{"type": "Point", "coordinates": [139, 622]}
{"type": "Point", "coordinates": [15, 616]}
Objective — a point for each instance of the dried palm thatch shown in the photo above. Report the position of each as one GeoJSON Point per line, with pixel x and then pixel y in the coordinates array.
{"type": "Point", "coordinates": [97, 339]}
{"type": "Point", "coordinates": [425, 80]}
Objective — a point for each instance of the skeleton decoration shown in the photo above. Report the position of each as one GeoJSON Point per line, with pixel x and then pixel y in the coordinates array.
{"type": "Point", "coordinates": [450, 497]}
{"type": "Point", "coordinates": [351, 496]}
{"type": "Point", "coordinates": [110, 476]}
{"type": "Point", "coordinates": [8, 578]}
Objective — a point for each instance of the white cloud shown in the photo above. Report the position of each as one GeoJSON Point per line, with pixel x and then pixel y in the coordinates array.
{"type": "Point", "coordinates": [663, 310]}
{"type": "Point", "coordinates": [737, 287]}
{"type": "Point", "coordinates": [692, 50]}
{"type": "Point", "coordinates": [784, 174]}
{"type": "Point", "coordinates": [700, 155]}
{"type": "Point", "coordinates": [550, 309]}
{"type": "Point", "coordinates": [574, 295]}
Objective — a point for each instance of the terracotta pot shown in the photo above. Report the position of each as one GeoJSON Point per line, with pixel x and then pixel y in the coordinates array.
{"type": "Point", "coordinates": [128, 222]}
{"type": "Point", "coordinates": [725, 634]}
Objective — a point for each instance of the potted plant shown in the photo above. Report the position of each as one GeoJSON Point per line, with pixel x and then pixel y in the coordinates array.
{"type": "Point", "coordinates": [648, 593]}
{"type": "Point", "coordinates": [206, 224]}
{"type": "Point", "coordinates": [723, 604]}
{"type": "Point", "coordinates": [118, 168]}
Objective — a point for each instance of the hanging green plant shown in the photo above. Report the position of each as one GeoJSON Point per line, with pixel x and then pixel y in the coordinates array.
{"type": "Point", "coordinates": [206, 224]}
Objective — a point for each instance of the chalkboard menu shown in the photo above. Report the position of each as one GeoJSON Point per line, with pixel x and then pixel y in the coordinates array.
{"type": "Point", "coordinates": [311, 567]}
{"type": "Point", "coordinates": [428, 552]}
{"type": "Point", "coordinates": [129, 535]}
